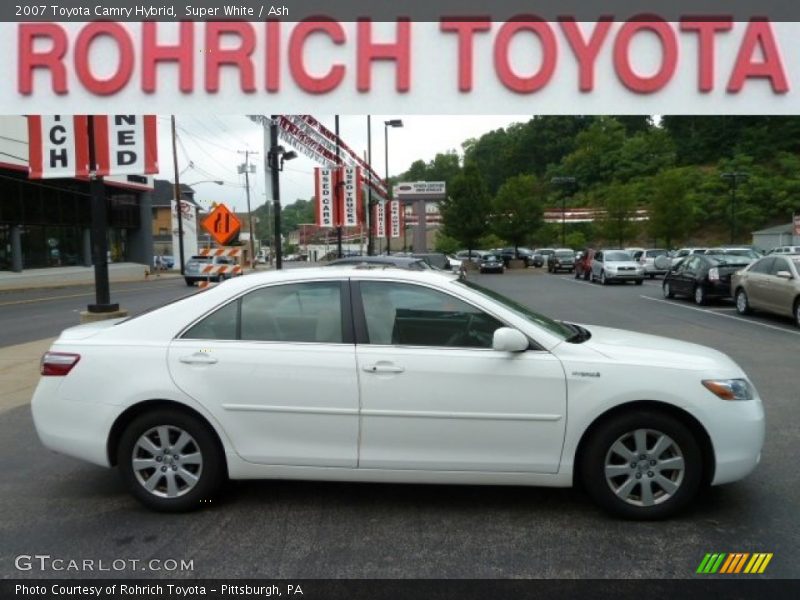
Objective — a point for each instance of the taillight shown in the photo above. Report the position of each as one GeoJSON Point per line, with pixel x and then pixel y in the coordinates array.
{"type": "Point", "coordinates": [713, 274]}
{"type": "Point", "coordinates": [58, 364]}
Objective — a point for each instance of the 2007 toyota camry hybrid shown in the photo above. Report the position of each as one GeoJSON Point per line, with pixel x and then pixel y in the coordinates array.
{"type": "Point", "coordinates": [393, 376]}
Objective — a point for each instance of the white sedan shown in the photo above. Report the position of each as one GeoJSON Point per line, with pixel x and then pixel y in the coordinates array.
{"type": "Point", "coordinates": [393, 376]}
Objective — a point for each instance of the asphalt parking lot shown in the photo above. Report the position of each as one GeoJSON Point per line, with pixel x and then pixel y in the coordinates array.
{"type": "Point", "coordinates": [55, 505]}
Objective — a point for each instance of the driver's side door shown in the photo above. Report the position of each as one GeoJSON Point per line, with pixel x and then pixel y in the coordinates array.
{"type": "Point", "coordinates": [435, 396]}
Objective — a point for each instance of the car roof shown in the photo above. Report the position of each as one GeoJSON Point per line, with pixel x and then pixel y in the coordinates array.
{"type": "Point", "coordinates": [377, 260]}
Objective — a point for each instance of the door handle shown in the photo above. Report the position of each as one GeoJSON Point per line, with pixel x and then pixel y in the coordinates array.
{"type": "Point", "coordinates": [198, 358]}
{"type": "Point", "coordinates": [383, 368]}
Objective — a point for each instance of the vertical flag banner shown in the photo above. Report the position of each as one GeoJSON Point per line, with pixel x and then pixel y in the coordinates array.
{"type": "Point", "coordinates": [379, 220]}
{"type": "Point", "coordinates": [351, 196]}
{"type": "Point", "coordinates": [395, 220]}
{"type": "Point", "coordinates": [325, 184]}
{"type": "Point", "coordinates": [58, 146]}
{"type": "Point", "coordinates": [126, 144]}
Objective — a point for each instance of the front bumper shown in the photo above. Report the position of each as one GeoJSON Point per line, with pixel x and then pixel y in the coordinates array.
{"type": "Point", "coordinates": [737, 435]}
{"type": "Point", "coordinates": [624, 275]}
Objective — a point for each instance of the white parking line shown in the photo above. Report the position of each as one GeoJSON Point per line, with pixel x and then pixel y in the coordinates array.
{"type": "Point", "coordinates": [719, 314]}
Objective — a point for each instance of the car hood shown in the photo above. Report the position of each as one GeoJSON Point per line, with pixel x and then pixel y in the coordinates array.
{"type": "Point", "coordinates": [628, 347]}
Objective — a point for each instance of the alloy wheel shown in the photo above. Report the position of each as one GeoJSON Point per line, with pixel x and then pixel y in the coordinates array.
{"type": "Point", "coordinates": [699, 295]}
{"type": "Point", "coordinates": [644, 467]}
{"type": "Point", "coordinates": [741, 302]}
{"type": "Point", "coordinates": [167, 461]}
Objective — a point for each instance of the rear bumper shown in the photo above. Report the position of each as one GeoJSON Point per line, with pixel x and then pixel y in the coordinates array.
{"type": "Point", "coordinates": [74, 428]}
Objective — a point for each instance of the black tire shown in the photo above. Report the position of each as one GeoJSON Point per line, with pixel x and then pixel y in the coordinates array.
{"type": "Point", "coordinates": [797, 312]}
{"type": "Point", "coordinates": [666, 289]}
{"type": "Point", "coordinates": [577, 274]}
{"type": "Point", "coordinates": [212, 471]}
{"type": "Point", "coordinates": [603, 278]}
{"type": "Point", "coordinates": [651, 275]}
{"type": "Point", "coordinates": [586, 275]}
{"type": "Point", "coordinates": [742, 302]}
{"type": "Point", "coordinates": [640, 281]}
{"type": "Point", "coordinates": [189, 282]}
{"type": "Point", "coordinates": [700, 297]}
{"type": "Point", "coordinates": [597, 449]}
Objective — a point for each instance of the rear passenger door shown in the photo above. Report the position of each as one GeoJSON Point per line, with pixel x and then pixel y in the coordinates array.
{"type": "Point", "coordinates": [276, 367]}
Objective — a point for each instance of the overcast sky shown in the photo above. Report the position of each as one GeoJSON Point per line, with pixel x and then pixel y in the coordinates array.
{"type": "Point", "coordinates": [211, 144]}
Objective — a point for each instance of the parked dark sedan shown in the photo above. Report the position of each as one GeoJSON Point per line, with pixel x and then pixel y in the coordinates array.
{"type": "Point", "coordinates": [509, 254]}
{"type": "Point", "coordinates": [492, 263]}
{"type": "Point", "coordinates": [703, 276]}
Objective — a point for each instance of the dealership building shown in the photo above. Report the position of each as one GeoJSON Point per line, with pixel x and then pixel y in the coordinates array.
{"type": "Point", "coordinates": [46, 223]}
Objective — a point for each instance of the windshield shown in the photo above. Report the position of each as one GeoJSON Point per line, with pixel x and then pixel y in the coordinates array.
{"type": "Point", "coordinates": [554, 327]}
{"type": "Point", "coordinates": [617, 256]}
{"type": "Point", "coordinates": [565, 253]}
{"type": "Point", "coordinates": [654, 253]}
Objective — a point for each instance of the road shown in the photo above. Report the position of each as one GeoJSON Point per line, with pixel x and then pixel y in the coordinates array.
{"type": "Point", "coordinates": [62, 507]}
{"type": "Point", "coordinates": [31, 315]}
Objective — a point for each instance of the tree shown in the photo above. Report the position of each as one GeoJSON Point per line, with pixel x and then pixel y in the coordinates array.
{"type": "Point", "coordinates": [671, 211]}
{"type": "Point", "coordinates": [620, 204]}
{"type": "Point", "coordinates": [466, 210]}
{"type": "Point", "coordinates": [517, 209]}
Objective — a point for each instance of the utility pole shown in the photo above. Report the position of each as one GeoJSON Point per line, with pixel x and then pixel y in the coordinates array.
{"type": "Point", "coordinates": [99, 237]}
{"type": "Point", "coordinates": [370, 207]}
{"type": "Point", "coordinates": [178, 201]}
{"type": "Point", "coordinates": [338, 191]}
{"type": "Point", "coordinates": [246, 169]}
{"type": "Point", "coordinates": [733, 178]}
{"type": "Point", "coordinates": [569, 182]}
{"type": "Point", "coordinates": [274, 164]}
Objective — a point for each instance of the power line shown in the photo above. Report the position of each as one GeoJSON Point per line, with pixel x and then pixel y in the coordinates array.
{"type": "Point", "coordinates": [10, 139]}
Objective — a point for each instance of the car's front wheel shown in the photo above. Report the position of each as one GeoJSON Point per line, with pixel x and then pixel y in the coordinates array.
{"type": "Point", "coordinates": [797, 312]}
{"type": "Point", "coordinates": [170, 460]}
{"type": "Point", "coordinates": [642, 465]}
{"type": "Point", "coordinates": [603, 278]}
{"type": "Point", "coordinates": [189, 282]}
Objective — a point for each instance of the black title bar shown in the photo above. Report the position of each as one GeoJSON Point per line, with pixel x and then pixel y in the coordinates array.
{"type": "Point", "coordinates": [382, 10]}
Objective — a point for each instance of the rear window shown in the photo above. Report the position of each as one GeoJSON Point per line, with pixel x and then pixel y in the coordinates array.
{"type": "Point", "coordinates": [617, 256]}
{"type": "Point", "coordinates": [654, 253]}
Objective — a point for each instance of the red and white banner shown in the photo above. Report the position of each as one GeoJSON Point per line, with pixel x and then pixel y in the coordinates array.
{"type": "Point", "coordinates": [351, 196]}
{"type": "Point", "coordinates": [58, 146]}
{"type": "Point", "coordinates": [379, 220]}
{"type": "Point", "coordinates": [395, 219]}
{"type": "Point", "coordinates": [325, 180]}
{"type": "Point", "coordinates": [126, 144]}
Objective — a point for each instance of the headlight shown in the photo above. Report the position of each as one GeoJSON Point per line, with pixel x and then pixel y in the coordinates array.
{"type": "Point", "coordinates": [730, 389]}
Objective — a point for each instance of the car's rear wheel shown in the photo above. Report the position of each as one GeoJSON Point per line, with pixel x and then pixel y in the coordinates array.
{"type": "Point", "coordinates": [742, 303]}
{"type": "Point", "coordinates": [642, 465]}
{"type": "Point", "coordinates": [700, 297]}
{"type": "Point", "coordinates": [189, 282]}
{"type": "Point", "coordinates": [797, 312]}
{"type": "Point", "coordinates": [666, 289]}
{"type": "Point", "coordinates": [640, 281]}
{"type": "Point", "coordinates": [170, 460]}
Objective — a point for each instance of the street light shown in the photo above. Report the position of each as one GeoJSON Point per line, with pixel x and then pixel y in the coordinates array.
{"type": "Point", "coordinates": [387, 124]}
{"type": "Point", "coordinates": [565, 181]}
{"type": "Point", "coordinates": [733, 178]}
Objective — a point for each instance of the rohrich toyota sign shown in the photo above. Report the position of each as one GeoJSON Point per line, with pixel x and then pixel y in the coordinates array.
{"type": "Point", "coordinates": [641, 65]}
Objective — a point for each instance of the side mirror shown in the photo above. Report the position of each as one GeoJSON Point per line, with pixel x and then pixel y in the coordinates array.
{"type": "Point", "coordinates": [784, 275]}
{"type": "Point", "coordinates": [507, 339]}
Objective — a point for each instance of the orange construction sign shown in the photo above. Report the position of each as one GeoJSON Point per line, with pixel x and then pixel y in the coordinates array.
{"type": "Point", "coordinates": [222, 224]}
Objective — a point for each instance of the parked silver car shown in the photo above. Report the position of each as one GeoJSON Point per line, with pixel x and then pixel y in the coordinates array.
{"type": "Point", "coordinates": [684, 252]}
{"type": "Point", "coordinates": [771, 284]}
{"type": "Point", "coordinates": [616, 265]}
{"type": "Point", "coordinates": [647, 258]}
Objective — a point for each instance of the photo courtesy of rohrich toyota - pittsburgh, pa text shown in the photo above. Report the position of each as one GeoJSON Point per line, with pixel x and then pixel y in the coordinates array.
{"type": "Point", "coordinates": [367, 300]}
